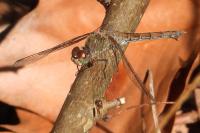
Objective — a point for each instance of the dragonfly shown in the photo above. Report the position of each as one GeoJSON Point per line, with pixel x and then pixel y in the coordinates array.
{"type": "Point", "coordinates": [83, 56]}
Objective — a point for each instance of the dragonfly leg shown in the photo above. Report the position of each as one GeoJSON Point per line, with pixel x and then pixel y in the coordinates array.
{"type": "Point", "coordinates": [130, 70]}
{"type": "Point", "coordinates": [78, 70]}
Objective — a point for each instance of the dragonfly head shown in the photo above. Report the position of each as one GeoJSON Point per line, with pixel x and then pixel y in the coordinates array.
{"type": "Point", "coordinates": [77, 53]}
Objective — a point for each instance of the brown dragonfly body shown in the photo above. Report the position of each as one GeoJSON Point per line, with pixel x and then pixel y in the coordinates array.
{"type": "Point", "coordinates": [120, 37]}
{"type": "Point", "coordinates": [82, 57]}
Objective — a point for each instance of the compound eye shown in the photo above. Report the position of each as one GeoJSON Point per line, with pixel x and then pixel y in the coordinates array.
{"type": "Point", "coordinates": [76, 53]}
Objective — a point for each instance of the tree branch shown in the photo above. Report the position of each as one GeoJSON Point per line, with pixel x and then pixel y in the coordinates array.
{"type": "Point", "coordinates": [77, 114]}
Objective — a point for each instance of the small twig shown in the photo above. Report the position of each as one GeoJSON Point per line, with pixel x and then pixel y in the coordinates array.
{"type": "Point", "coordinates": [143, 130]}
{"type": "Point", "coordinates": [184, 96]}
{"type": "Point", "coordinates": [102, 106]}
{"type": "Point", "coordinates": [186, 118]}
{"type": "Point", "coordinates": [153, 102]}
{"type": "Point", "coordinates": [147, 104]}
{"type": "Point", "coordinates": [197, 100]}
{"type": "Point", "coordinates": [138, 106]}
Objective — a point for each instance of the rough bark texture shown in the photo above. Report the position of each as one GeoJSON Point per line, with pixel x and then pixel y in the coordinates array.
{"type": "Point", "coordinates": [77, 113]}
{"type": "Point", "coordinates": [43, 86]}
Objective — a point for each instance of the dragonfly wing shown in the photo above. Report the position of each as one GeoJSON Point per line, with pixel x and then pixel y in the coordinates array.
{"type": "Point", "coordinates": [9, 68]}
{"type": "Point", "coordinates": [32, 58]}
{"type": "Point", "coordinates": [35, 57]}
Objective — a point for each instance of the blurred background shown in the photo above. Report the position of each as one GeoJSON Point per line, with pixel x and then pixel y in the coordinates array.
{"type": "Point", "coordinates": [31, 97]}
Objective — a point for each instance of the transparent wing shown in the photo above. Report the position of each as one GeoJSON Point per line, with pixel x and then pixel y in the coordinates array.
{"type": "Point", "coordinates": [130, 71]}
{"type": "Point", "coordinates": [35, 57]}
{"type": "Point", "coordinates": [9, 68]}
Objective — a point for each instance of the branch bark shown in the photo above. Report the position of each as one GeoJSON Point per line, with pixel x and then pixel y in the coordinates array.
{"type": "Point", "coordinates": [77, 114]}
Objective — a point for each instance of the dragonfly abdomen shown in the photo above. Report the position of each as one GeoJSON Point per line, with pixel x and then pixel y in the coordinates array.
{"type": "Point", "coordinates": [121, 37]}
